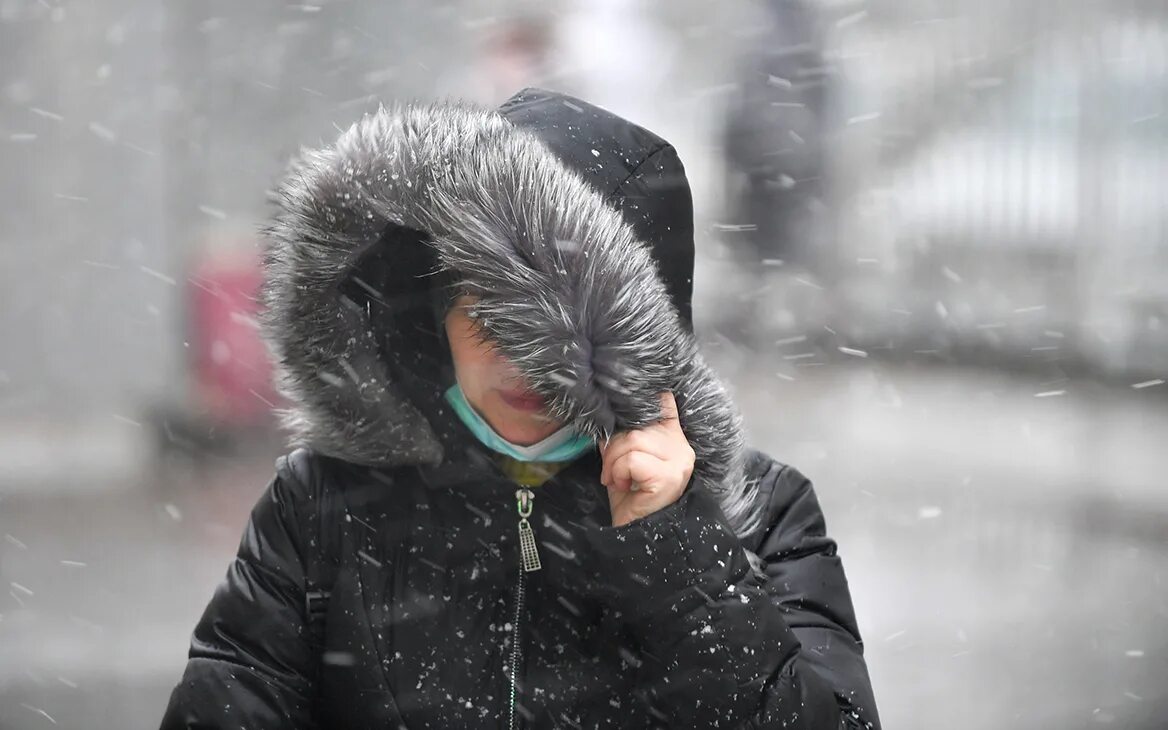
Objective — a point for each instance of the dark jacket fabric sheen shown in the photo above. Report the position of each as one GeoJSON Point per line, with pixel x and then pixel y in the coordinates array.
{"type": "Point", "coordinates": [728, 608]}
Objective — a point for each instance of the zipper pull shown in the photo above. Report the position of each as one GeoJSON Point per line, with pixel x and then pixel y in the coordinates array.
{"type": "Point", "coordinates": [528, 552]}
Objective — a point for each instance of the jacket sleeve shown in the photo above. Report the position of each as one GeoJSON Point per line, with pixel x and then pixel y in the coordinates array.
{"type": "Point", "coordinates": [250, 663]}
{"type": "Point", "coordinates": [729, 642]}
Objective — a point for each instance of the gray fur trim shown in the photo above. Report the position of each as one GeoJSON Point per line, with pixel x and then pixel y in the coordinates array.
{"type": "Point", "coordinates": [566, 291]}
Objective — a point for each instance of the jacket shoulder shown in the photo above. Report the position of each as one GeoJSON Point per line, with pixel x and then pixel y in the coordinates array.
{"type": "Point", "coordinates": [327, 489]}
{"type": "Point", "coordinates": [772, 474]}
{"type": "Point", "coordinates": [312, 475]}
{"type": "Point", "coordinates": [304, 470]}
{"type": "Point", "coordinates": [311, 485]}
{"type": "Point", "coordinates": [781, 488]}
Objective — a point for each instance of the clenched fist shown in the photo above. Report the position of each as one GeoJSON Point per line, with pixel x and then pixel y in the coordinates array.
{"type": "Point", "coordinates": [647, 469]}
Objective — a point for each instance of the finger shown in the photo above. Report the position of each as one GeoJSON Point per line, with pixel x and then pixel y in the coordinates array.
{"type": "Point", "coordinates": [606, 456]}
{"type": "Point", "coordinates": [637, 471]}
{"type": "Point", "coordinates": [650, 441]}
{"type": "Point", "coordinates": [615, 449]}
{"type": "Point", "coordinates": [621, 475]}
{"type": "Point", "coordinates": [670, 418]}
{"type": "Point", "coordinates": [668, 406]}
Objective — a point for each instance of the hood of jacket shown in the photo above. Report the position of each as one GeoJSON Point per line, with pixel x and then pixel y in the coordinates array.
{"type": "Point", "coordinates": [572, 226]}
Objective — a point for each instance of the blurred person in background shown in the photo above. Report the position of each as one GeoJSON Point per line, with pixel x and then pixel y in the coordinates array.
{"type": "Point", "coordinates": [516, 51]}
{"type": "Point", "coordinates": [519, 495]}
{"type": "Point", "coordinates": [773, 138]}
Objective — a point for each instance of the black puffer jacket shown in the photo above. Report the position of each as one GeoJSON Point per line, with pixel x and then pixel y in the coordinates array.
{"type": "Point", "coordinates": [391, 537]}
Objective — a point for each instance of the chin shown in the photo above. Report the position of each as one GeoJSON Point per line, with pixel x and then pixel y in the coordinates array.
{"type": "Point", "coordinates": [523, 429]}
{"type": "Point", "coordinates": [526, 436]}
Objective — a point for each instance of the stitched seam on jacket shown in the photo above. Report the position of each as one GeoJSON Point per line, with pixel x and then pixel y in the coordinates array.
{"type": "Point", "coordinates": [633, 173]}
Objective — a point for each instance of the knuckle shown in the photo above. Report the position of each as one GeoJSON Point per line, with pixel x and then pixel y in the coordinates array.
{"type": "Point", "coordinates": [635, 439]}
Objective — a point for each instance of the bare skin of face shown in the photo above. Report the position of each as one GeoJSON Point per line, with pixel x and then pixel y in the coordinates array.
{"type": "Point", "coordinates": [493, 386]}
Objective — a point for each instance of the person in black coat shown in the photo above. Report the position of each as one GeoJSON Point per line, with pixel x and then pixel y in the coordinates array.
{"type": "Point", "coordinates": [774, 139]}
{"type": "Point", "coordinates": [518, 496]}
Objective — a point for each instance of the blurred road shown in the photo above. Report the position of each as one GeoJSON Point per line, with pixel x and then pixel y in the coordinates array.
{"type": "Point", "coordinates": [1006, 542]}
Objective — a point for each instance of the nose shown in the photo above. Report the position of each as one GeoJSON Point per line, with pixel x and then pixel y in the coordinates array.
{"type": "Point", "coordinates": [504, 372]}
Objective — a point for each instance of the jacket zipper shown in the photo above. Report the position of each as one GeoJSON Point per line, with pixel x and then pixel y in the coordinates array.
{"type": "Point", "coordinates": [528, 562]}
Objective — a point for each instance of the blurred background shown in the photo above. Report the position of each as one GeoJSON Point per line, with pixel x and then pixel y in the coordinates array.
{"type": "Point", "coordinates": [933, 266]}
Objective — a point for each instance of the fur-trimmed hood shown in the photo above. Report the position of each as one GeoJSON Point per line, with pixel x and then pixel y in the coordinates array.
{"type": "Point", "coordinates": [574, 228]}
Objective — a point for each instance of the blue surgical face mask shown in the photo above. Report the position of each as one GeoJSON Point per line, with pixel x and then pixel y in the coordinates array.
{"type": "Point", "coordinates": [563, 445]}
